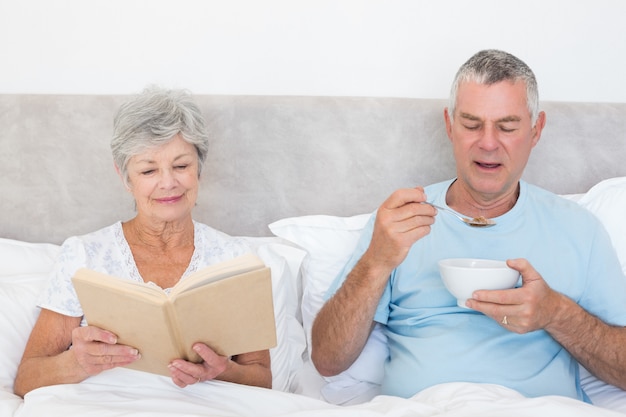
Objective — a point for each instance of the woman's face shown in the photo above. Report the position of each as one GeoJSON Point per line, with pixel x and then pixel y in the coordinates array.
{"type": "Point", "coordinates": [164, 181]}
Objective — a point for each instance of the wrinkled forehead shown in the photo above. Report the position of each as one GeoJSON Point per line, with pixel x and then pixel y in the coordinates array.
{"type": "Point", "coordinates": [500, 100]}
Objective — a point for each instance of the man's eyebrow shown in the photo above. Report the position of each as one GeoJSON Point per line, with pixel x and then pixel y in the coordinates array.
{"type": "Point", "coordinates": [469, 116]}
{"type": "Point", "coordinates": [505, 119]}
{"type": "Point", "coordinates": [509, 119]}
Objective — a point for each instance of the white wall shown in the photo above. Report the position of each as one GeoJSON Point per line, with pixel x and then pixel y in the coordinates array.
{"type": "Point", "coordinates": [403, 48]}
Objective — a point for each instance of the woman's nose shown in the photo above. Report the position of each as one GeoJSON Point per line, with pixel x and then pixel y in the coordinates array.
{"type": "Point", "coordinates": [167, 179]}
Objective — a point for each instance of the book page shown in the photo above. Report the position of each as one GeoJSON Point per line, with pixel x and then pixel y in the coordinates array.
{"type": "Point", "coordinates": [216, 272]}
{"type": "Point", "coordinates": [113, 283]}
{"type": "Point", "coordinates": [231, 316]}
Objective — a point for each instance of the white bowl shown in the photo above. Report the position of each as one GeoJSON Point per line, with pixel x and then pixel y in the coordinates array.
{"type": "Point", "coordinates": [463, 276]}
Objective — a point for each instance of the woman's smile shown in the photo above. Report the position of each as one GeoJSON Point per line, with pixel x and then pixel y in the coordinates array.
{"type": "Point", "coordinates": [169, 200]}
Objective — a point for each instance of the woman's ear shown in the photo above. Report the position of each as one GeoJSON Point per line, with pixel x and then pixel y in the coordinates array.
{"type": "Point", "coordinates": [119, 173]}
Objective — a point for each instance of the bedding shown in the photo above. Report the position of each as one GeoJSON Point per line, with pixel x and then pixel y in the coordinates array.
{"type": "Point", "coordinates": [145, 396]}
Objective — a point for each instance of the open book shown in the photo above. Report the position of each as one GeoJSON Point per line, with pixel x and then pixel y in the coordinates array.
{"type": "Point", "coordinates": [228, 306]}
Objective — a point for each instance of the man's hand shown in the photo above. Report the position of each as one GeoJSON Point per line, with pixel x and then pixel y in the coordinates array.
{"type": "Point", "coordinates": [531, 307]}
{"type": "Point", "coordinates": [401, 221]}
{"type": "Point", "coordinates": [535, 306]}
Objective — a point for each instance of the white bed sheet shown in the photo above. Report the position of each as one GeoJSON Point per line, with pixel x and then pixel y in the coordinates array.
{"type": "Point", "coordinates": [126, 393]}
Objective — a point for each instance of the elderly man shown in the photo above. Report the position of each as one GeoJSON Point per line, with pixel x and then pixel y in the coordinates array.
{"type": "Point", "coordinates": [570, 307]}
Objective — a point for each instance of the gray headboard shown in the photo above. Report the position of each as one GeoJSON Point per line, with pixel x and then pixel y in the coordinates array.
{"type": "Point", "coordinates": [271, 157]}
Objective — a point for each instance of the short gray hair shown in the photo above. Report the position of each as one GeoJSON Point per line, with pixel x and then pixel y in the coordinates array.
{"type": "Point", "coordinates": [153, 118]}
{"type": "Point", "coordinates": [492, 66]}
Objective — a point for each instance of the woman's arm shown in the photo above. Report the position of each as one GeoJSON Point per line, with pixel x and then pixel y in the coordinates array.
{"type": "Point", "coordinates": [49, 360]}
{"type": "Point", "coordinates": [252, 368]}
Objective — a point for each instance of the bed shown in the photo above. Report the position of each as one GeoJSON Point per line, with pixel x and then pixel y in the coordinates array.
{"type": "Point", "coordinates": [297, 177]}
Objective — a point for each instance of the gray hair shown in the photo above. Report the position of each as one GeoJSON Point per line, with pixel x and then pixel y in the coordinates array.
{"type": "Point", "coordinates": [153, 118]}
{"type": "Point", "coordinates": [492, 66]}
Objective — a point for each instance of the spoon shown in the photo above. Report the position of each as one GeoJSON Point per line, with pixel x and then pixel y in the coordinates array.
{"type": "Point", "coordinates": [475, 222]}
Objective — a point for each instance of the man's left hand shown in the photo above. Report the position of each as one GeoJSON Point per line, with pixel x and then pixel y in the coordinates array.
{"type": "Point", "coordinates": [525, 309]}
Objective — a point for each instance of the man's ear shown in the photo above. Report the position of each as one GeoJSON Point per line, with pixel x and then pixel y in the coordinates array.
{"type": "Point", "coordinates": [538, 128]}
{"type": "Point", "coordinates": [448, 120]}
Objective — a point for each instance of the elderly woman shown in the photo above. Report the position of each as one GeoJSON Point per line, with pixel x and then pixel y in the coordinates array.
{"type": "Point", "coordinates": [159, 146]}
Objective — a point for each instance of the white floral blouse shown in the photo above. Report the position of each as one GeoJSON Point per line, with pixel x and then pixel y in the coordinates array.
{"type": "Point", "coordinates": [107, 251]}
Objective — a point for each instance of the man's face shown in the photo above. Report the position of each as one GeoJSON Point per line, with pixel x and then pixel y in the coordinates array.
{"type": "Point", "coordinates": [492, 136]}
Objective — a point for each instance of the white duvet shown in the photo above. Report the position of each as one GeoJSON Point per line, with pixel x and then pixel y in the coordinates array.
{"type": "Point", "coordinates": [130, 393]}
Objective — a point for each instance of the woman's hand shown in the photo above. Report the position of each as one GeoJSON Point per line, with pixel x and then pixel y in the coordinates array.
{"type": "Point", "coordinates": [188, 373]}
{"type": "Point", "coordinates": [96, 350]}
{"type": "Point", "coordinates": [59, 351]}
{"type": "Point", "coordinates": [253, 368]}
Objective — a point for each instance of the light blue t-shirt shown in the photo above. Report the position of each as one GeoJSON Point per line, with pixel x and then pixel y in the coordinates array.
{"type": "Point", "coordinates": [432, 340]}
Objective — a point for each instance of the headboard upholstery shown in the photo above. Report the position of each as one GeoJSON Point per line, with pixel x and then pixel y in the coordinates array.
{"type": "Point", "coordinates": [271, 157]}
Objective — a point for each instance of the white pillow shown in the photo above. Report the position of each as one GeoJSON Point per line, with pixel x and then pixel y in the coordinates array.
{"type": "Point", "coordinates": [607, 200]}
{"type": "Point", "coordinates": [18, 296]}
{"type": "Point", "coordinates": [23, 270]}
{"type": "Point", "coordinates": [17, 257]}
{"type": "Point", "coordinates": [285, 262]}
{"type": "Point", "coordinates": [330, 242]}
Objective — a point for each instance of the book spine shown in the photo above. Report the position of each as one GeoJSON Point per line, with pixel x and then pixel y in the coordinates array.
{"type": "Point", "coordinates": [175, 333]}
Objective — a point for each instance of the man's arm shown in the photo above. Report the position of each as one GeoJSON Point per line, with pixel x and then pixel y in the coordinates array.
{"type": "Point", "coordinates": [599, 347]}
{"type": "Point", "coordinates": [344, 323]}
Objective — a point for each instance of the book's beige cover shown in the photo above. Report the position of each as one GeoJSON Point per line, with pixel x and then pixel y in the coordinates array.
{"type": "Point", "coordinates": [232, 315]}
